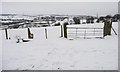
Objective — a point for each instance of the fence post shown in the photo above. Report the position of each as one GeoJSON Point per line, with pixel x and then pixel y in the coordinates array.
{"type": "Point", "coordinates": [46, 33]}
{"type": "Point", "coordinates": [30, 35]}
{"type": "Point", "coordinates": [65, 30]}
{"type": "Point", "coordinates": [6, 33]}
{"type": "Point", "coordinates": [61, 31]}
{"type": "Point", "coordinates": [107, 28]}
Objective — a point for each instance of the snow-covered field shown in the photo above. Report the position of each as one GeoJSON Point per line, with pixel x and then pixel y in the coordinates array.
{"type": "Point", "coordinates": [0, 50]}
{"type": "Point", "coordinates": [56, 53]}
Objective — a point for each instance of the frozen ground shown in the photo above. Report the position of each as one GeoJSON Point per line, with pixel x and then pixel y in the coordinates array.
{"type": "Point", "coordinates": [57, 53]}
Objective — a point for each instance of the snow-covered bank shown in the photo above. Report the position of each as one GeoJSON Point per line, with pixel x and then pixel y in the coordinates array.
{"type": "Point", "coordinates": [58, 53]}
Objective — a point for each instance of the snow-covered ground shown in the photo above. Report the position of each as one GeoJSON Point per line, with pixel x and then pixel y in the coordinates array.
{"type": "Point", "coordinates": [56, 53]}
{"type": "Point", "coordinates": [0, 50]}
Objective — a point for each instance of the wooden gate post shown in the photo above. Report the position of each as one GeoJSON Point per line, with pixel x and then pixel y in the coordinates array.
{"type": "Point", "coordinates": [107, 28]}
{"type": "Point", "coordinates": [65, 30]}
{"type": "Point", "coordinates": [6, 33]}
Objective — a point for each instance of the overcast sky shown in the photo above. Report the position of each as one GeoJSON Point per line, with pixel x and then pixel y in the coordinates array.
{"type": "Point", "coordinates": [75, 8]}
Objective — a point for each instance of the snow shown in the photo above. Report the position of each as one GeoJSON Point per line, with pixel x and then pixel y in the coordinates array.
{"type": "Point", "coordinates": [56, 53]}
{"type": "Point", "coordinates": [6, 21]}
{"type": "Point", "coordinates": [83, 20]}
{"type": "Point", "coordinates": [0, 51]}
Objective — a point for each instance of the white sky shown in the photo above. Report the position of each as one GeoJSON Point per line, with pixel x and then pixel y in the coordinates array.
{"type": "Point", "coordinates": [60, 0]}
{"type": "Point", "coordinates": [81, 8]}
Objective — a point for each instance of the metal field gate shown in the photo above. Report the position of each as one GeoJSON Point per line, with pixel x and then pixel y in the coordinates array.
{"type": "Point", "coordinates": [84, 31]}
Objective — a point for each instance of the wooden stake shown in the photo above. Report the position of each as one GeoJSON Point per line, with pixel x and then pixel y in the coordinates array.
{"type": "Point", "coordinates": [30, 35]}
{"type": "Point", "coordinates": [6, 33]}
{"type": "Point", "coordinates": [46, 33]}
{"type": "Point", "coordinates": [61, 31]}
{"type": "Point", "coordinates": [65, 30]}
